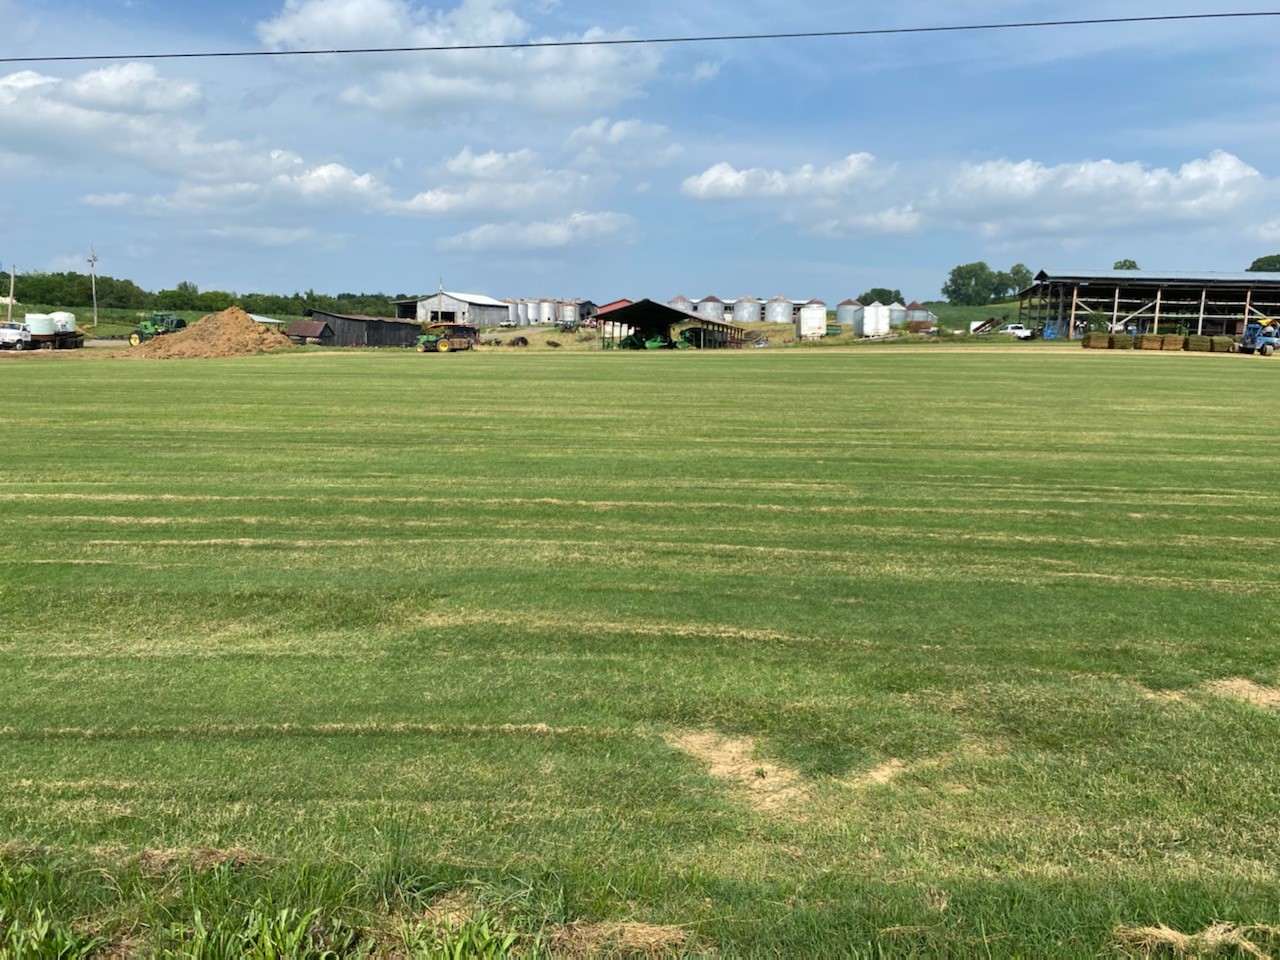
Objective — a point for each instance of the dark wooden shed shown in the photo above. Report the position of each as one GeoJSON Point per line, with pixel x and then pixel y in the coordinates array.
{"type": "Point", "coordinates": [359, 331]}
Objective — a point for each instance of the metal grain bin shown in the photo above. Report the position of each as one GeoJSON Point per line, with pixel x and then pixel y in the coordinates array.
{"type": "Point", "coordinates": [897, 314]}
{"type": "Point", "coordinates": [681, 303]}
{"type": "Point", "coordinates": [711, 307]}
{"type": "Point", "coordinates": [778, 310]}
{"type": "Point", "coordinates": [747, 310]}
{"type": "Point", "coordinates": [849, 316]}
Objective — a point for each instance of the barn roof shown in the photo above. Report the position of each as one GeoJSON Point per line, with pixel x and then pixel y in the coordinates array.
{"type": "Point", "coordinates": [308, 328]}
{"type": "Point", "coordinates": [1168, 277]}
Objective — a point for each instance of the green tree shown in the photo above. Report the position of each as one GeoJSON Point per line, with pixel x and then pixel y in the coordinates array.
{"type": "Point", "coordinates": [970, 284]}
{"type": "Point", "coordinates": [1125, 265]}
{"type": "Point", "coordinates": [882, 294]}
{"type": "Point", "coordinates": [1268, 264]}
{"type": "Point", "coordinates": [1021, 275]}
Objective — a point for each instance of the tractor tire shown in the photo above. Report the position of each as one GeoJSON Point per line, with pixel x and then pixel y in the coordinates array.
{"type": "Point", "coordinates": [135, 338]}
{"type": "Point", "coordinates": [421, 348]}
{"type": "Point", "coordinates": [442, 346]}
{"type": "Point", "coordinates": [1266, 350]}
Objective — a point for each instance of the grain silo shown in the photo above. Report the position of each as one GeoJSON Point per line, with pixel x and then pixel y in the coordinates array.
{"type": "Point", "coordinates": [711, 307]}
{"type": "Point", "coordinates": [747, 310]}
{"type": "Point", "coordinates": [522, 314]}
{"type": "Point", "coordinates": [849, 316]}
{"type": "Point", "coordinates": [897, 314]}
{"type": "Point", "coordinates": [546, 311]}
{"type": "Point", "coordinates": [681, 303]}
{"type": "Point", "coordinates": [778, 310]}
{"type": "Point", "coordinates": [812, 322]}
{"type": "Point", "coordinates": [919, 317]}
{"type": "Point", "coordinates": [567, 312]}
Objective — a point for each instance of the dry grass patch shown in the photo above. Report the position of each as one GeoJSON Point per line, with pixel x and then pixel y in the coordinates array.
{"type": "Point", "coordinates": [878, 775]}
{"type": "Point", "coordinates": [769, 786]}
{"type": "Point", "coordinates": [1254, 694]}
{"type": "Point", "coordinates": [157, 862]}
{"type": "Point", "coordinates": [584, 939]}
{"type": "Point", "coordinates": [1214, 939]}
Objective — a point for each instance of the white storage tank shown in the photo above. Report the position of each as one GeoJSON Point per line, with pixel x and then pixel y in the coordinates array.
{"type": "Point", "coordinates": [567, 311]}
{"type": "Point", "coordinates": [711, 307]}
{"type": "Point", "coordinates": [812, 323]}
{"type": "Point", "coordinates": [778, 310]}
{"type": "Point", "coordinates": [897, 314]}
{"type": "Point", "coordinates": [546, 311]}
{"type": "Point", "coordinates": [513, 314]}
{"type": "Point", "coordinates": [849, 316]}
{"type": "Point", "coordinates": [64, 321]}
{"type": "Point", "coordinates": [42, 327]}
{"type": "Point", "coordinates": [681, 303]}
{"type": "Point", "coordinates": [747, 310]}
{"type": "Point", "coordinates": [522, 314]}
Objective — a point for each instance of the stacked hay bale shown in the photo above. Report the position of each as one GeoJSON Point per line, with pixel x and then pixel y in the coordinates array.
{"type": "Point", "coordinates": [1122, 341]}
{"type": "Point", "coordinates": [1096, 341]}
{"type": "Point", "coordinates": [1173, 341]}
{"type": "Point", "coordinates": [1199, 344]}
{"type": "Point", "coordinates": [1223, 344]}
{"type": "Point", "coordinates": [1150, 341]}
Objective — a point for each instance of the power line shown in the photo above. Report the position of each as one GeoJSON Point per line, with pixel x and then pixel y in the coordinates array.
{"type": "Point", "coordinates": [655, 41]}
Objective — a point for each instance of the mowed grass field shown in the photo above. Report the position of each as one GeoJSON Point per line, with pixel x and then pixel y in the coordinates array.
{"type": "Point", "coordinates": [966, 653]}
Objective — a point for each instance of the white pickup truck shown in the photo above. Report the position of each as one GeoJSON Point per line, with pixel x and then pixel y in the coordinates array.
{"type": "Point", "coordinates": [15, 336]}
{"type": "Point", "coordinates": [1016, 330]}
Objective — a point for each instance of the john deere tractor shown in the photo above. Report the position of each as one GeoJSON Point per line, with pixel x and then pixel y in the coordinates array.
{"type": "Point", "coordinates": [446, 337]}
{"type": "Point", "coordinates": [159, 324]}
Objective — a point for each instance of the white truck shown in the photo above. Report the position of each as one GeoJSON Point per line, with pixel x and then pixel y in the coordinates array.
{"type": "Point", "coordinates": [1016, 330]}
{"type": "Point", "coordinates": [15, 336]}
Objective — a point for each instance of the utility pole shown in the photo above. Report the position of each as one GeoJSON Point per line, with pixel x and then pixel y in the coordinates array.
{"type": "Point", "coordinates": [12, 268]}
{"type": "Point", "coordinates": [93, 281]}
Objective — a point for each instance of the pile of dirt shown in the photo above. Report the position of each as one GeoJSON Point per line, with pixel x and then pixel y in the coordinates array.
{"type": "Point", "coordinates": [231, 333]}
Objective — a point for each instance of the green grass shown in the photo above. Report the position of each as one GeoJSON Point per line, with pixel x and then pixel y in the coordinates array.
{"type": "Point", "coordinates": [404, 626]}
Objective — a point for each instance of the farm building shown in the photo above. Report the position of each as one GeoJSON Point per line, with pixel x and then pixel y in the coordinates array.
{"type": "Point", "coordinates": [470, 308]}
{"type": "Point", "coordinates": [1063, 305]}
{"type": "Point", "coordinates": [614, 305]}
{"type": "Point", "coordinates": [358, 331]}
{"type": "Point", "coordinates": [646, 321]}
{"type": "Point", "coordinates": [310, 331]}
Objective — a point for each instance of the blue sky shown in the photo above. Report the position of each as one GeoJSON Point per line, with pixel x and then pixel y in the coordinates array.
{"type": "Point", "coordinates": [801, 168]}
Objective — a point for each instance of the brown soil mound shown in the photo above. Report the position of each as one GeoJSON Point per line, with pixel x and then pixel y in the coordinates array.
{"type": "Point", "coordinates": [231, 333]}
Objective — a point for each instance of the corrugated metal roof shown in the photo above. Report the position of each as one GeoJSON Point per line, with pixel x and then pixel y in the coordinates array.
{"type": "Point", "coordinates": [1157, 276]}
{"type": "Point", "coordinates": [307, 328]}
{"type": "Point", "coordinates": [475, 299]}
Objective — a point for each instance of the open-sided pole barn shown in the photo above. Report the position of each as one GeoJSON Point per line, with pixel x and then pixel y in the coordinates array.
{"type": "Point", "coordinates": [649, 320]}
{"type": "Point", "coordinates": [1064, 305]}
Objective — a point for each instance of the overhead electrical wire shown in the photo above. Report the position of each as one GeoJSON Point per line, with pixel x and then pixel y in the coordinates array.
{"type": "Point", "coordinates": [643, 41]}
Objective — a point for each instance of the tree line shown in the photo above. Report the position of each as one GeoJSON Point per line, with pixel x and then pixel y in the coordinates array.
{"type": "Point", "coordinates": [975, 284]}
{"type": "Point", "coordinates": [74, 290]}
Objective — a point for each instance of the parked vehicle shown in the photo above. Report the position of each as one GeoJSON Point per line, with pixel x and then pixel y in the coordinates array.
{"type": "Point", "coordinates": [1260, 336]}
{"type": "Point", "coordinates": [1016, 330]}
{"type": "Point", "coordinates": [15, 336]}
{"type": "Point", "coordinates": [446, 337]}
{"type": "Point", "coordinates": [159, 324]}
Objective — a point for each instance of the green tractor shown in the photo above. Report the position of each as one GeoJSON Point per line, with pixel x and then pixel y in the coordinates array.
{"type": "Point", "coordinates": [159, 324]}
{"type": "Point", "coordinates": [446, 337]}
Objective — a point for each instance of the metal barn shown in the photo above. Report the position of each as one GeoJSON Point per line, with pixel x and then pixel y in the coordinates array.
{"type": "Point", "coordinates": [358, 331]}
{"type": "Point", "coordinates": [474, 309]}
{"type": "Point", "coordinates": [1063, 305]}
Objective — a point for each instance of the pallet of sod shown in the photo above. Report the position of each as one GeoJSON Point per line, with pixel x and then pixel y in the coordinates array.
{"type": "Point", "coordinates": [1223, 344]}
{"type": "Point", "coordinates": [1150, 341]}
{"type": "Point", "coordinates": [1199, 344]}
{"type": "Point", "coordinates": [1096, 341]}
{"type": "Point", "coordinates": [1173, 341]}
{"type": "Point", "coordinates": [1122, 341]}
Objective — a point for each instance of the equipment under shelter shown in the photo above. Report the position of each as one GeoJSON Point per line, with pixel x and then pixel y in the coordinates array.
{"type": "Point", "coordinates": [1063, 306]}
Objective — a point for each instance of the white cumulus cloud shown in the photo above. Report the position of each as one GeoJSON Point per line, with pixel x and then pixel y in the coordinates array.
{"type": "Point", "coordinates": [547, 81]}
{"type": "Point", "coordinates": [573, 230]}
{"type": "Point", "coordinates": [725, 182]}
